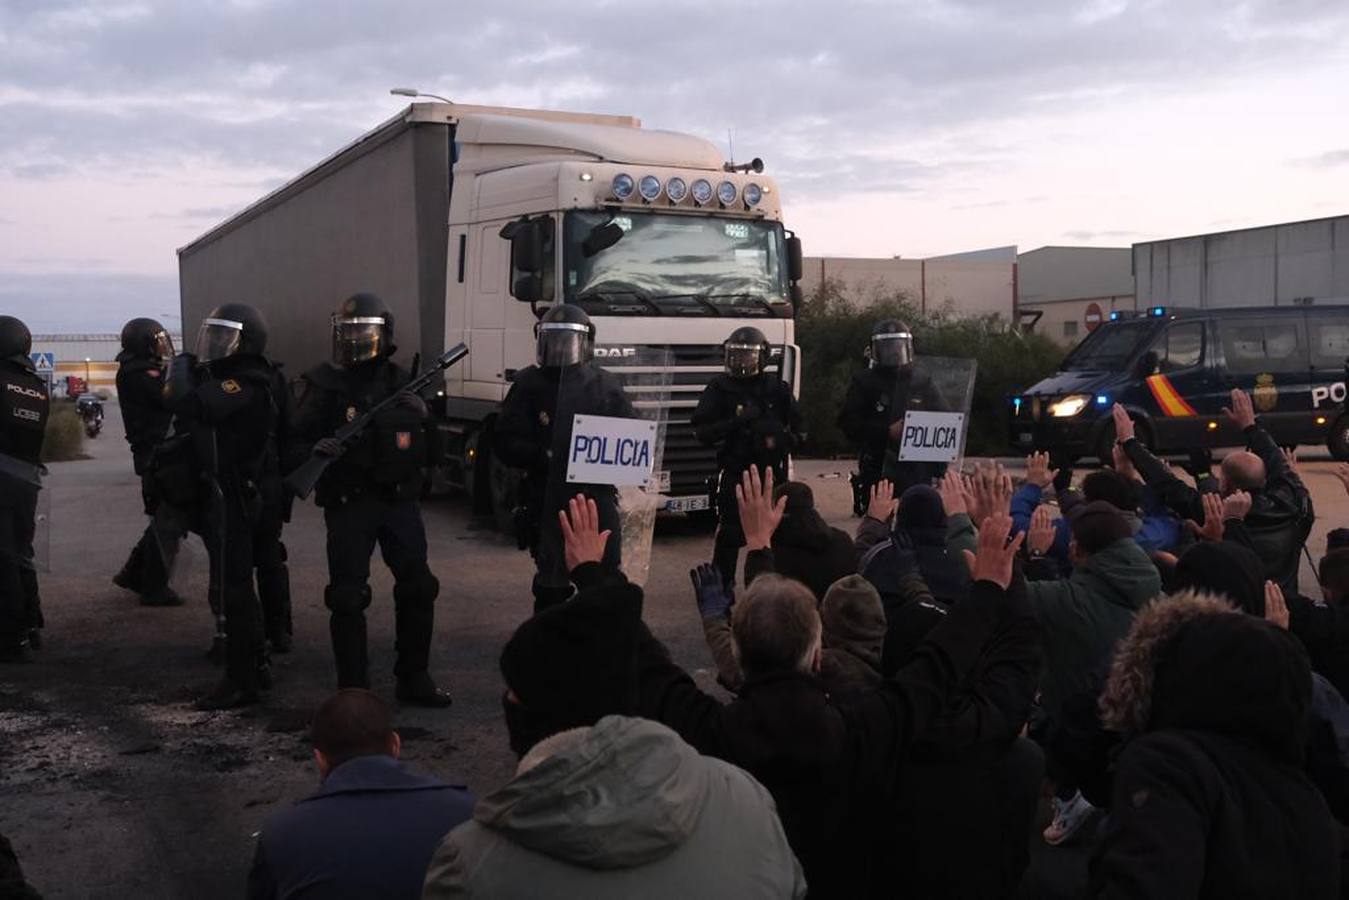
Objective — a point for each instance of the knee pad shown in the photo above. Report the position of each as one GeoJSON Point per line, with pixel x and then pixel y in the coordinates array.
{"type": "Point", "coordinates": [423, 588]}
{"type": "Point", "coordinates": [347, 599]}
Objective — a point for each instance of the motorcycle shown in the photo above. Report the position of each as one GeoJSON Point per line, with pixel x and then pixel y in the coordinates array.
{"type": "Point", "coordinates": [90, 410]}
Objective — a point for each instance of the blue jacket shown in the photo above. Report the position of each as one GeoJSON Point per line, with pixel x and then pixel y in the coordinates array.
{"type": "Point", "coordinates": [1156, 529]}
{"type": "Point", "coordinates": [369, 831]}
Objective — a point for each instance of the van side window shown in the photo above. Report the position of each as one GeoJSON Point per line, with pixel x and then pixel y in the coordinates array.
{"type": "Point", "coordinates": [1329, 341]}
{"type": "Point", "coordinates": [1184, 347]}
{"type": "Point", "coordinates": [1263, 345]}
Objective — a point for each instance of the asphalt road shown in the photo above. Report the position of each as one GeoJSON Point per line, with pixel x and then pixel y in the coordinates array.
{"type": "Point", "coordinates": [111, 785]}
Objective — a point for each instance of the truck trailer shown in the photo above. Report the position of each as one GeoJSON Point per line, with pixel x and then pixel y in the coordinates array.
{"type": "Point", "coordinates": [469, 221]}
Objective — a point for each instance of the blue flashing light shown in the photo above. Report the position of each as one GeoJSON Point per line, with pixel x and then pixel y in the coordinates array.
{"type": "Point", "coordinates": [1102, 400]}
{"type": "Point", "coordinates": [1114, 316]}
{"type": "Point", "coordinates": [1157, 311]}
{"type": "Point", "coordinates": [1016, 405]}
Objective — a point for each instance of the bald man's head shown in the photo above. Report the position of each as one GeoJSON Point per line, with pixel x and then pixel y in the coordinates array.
{"type": "Point", "coordinates": [1242, 471]}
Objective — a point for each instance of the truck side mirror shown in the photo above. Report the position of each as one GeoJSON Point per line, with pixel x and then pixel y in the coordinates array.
{"type": "Point", "coordinates": [794, 294]}
{"type": "Point", "coordinates": [795, 262]}
{"type": "Point", "coordinates": [530, 240]}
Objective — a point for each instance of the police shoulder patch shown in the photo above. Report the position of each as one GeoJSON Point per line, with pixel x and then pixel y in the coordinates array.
{"type": "Point", "coordinates": [230, 386]}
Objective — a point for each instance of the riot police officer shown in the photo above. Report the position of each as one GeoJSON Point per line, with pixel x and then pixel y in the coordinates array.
{"type": "Point", "coordinates": [23, 418]}
{"type": "Point", "coordinates": [370, 494]}
{"type": "Point", "coordinates": [142, 367]}
{"type": "Point", "coordinates": [232, 405]}
{"type": "Point", "coordinates": [751, 417]}
{"type": "Point", "coordinates": [528, 435]}
{"type": "Point", "coordinates": [873, 413]}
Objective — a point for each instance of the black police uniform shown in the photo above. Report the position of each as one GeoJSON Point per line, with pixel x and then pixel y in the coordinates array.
{"type": "Point", "coordinates": [752, 422]}
{"type": "Point", "coordinates": [877, 398]}
{"type": "Point", "coordinates": [369, 496]}
{"type": "Point", "coordinates": [525, 437]}
{"type": "Point", "coordinates": [237, 412]}
{"type": "Point", "coordinates": [146, 417]}
{"type": "Point", "coordinates": [24, 407]}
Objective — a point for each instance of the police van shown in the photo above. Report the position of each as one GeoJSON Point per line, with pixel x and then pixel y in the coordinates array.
{"type": "Point", "coordinates": [1174, 370]}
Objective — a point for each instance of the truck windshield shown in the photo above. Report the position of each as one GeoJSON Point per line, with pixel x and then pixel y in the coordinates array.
{"type": "Point", "coordinates": [664, 264]}
{"type": "Point", "coordinates": [1108, 347]}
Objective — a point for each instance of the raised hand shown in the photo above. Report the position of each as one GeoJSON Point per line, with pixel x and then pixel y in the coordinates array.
{"type": "Point", "coordinates": [952, 490]}
{"type": "Point", "coordinates": [759, 515]}
{"type": "Point", "coordinates": [582, 540]}
{"type": "Point", "coordinates": [709, 588]}
{"type": "Point", "coordinates": [1124, 426]}
{"type": "Point", "coordinates": [1236, 505]}
{"type": "Point", "coordinates": [1276, 607]}
{"type": "Point", "coordinates": [1290, 457]}
{"type": "Point", "coordinates": [1212, 529]}
{"type": "Point", "coordinates": [883, 503]}
{"type": "Point", "coordinates": [1123, 464]}
{"type": "Point", "coordinates": [993, 490]}
{"type": "Point", "coordinates": [1038, 472]}
{"type": "Point", "coordinates": [993, 561]}
{"type": "Point", "coordinates": [1040, 534]}
{"type": "Point", "coordinates": [1242, 412]}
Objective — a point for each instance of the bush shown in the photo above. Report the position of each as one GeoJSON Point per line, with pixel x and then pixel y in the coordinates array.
{"type": "Point", "coordinates": [833, 329]}
{"type": "Point", "coordinates": [64, 439]}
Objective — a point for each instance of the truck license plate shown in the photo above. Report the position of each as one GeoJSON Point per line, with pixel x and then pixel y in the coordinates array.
{"type": "Point", "coordinates": [686, 504]}
{"type": "Point", "coordinates": [663, 480]}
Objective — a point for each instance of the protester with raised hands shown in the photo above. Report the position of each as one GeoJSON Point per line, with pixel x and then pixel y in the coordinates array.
{"type": "Point", "coordinates": [902, 537]}
{"type": "Point", "coordinates": [785, 534]}
{"type": "Point", "coordinates": [830, 765]}
{"type": "Point", "coordinates": [1281, 513]}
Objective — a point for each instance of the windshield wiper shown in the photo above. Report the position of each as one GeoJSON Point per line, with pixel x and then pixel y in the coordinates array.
{"type": "Point", "coordinates": [700, 299]}
{"type": "Point", "coordinates": [754, 298]}
{"type": "Point", "coordinates": [609, 297]}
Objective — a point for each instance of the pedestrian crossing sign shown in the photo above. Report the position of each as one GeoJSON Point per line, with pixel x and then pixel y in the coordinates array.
{"type": "Point", "coordinates": [43, 362]}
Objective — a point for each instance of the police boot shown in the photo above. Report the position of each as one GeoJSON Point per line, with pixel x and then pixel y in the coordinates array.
{"type": "Point", "coordinates": [129, 578]}
{"type": "Point", "coordinates": [346, 626]}
{"type": "Point", "coordinates": [243, 624]}
{"type": "Point", "coordinates": [230, 693]}
{"type": "Point", "coordinates": [12, 650]}
{"type": "Point", "coordinates": [414, 622]}
{"type": "Point", "coordinates": [274, 591]}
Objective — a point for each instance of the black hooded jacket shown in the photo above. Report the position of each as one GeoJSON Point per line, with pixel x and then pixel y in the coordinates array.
{"type": "Point", "coordinates": [1210, 798]}
{"type": "Point", "coordinates": [145, 412]}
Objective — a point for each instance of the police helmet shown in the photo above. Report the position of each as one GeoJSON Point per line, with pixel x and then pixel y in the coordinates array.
{"type": "Point", "coordinates": [16, 342]}
{"type": "Point", "coordinates": [362, 330]}
{"type": "Point", "coordinates": [146, 339]}
{"type": "Point", "coordinates": [232, 329]}
{"type": "Point", "coordinates": [746, 352]}
{"type": "Point", "coordinates": [891, 344]}
{"type": "Point", "coordinates": [565, 336]}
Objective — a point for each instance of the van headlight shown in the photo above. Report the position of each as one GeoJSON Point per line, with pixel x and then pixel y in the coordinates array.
{"type": "Point", "coordinates": [1069, 406]}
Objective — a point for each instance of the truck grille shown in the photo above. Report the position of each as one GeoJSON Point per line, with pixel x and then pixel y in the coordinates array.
{"type": "Point", "coordinates": [690, 464]}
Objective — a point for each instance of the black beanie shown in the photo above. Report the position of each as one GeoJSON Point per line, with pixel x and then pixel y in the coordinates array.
{"type": "Point", "coordinates": [573, 664]}
{"type": "Point", "coordinates": [920, 507]}
{"type": "Point", "coordinates": [1097, 525]}
{"type": "Point", "coordinates": [800, 498]}
{"type": "Point", "coordinates": [1224, 568]}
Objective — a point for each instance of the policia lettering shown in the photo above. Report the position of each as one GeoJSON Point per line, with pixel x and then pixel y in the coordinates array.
{"type": "Point", "coordinates": [874, 408]}
{"type": "Point", "coordinates": [750, 416]}
{"type": "Point", "coordinates": [624, 452]}
{"type": "Point", "coordinates": [369, 495]}
{"type": "Point", "coordinates": [23, 418]}
{"type": "Point", "coordinates": [536, 420]}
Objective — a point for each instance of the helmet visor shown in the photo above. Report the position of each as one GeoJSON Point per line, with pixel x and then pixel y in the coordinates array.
{"type": "Point", "coordinates": [218, 338]}
{"type": "Point", "coordinates": [892, 350]}
{"type": "Point", "coordinates": [357, 340]}
{"type": "Point", "coordinates": [744, 360]}
{"type": "Point", "coordinates": [162, 345]}
{"type": "Point", "coordinates": [564, 344]}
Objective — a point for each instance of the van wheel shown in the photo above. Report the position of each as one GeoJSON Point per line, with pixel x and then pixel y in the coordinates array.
{"type": "Point", "coordinates": [1337, 439]}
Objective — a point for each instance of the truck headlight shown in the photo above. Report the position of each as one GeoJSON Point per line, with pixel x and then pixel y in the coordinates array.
{"type": "Point", "coordinates": [1069, 406]}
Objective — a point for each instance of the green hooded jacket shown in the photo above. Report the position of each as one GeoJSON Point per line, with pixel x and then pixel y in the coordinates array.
{"type": "Point", "coordinates": [622, 809]}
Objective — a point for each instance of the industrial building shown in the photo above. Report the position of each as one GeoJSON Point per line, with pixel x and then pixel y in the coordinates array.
{"type": "Point", "coordinates": [1274, 265]}
{"type": "Point", "coordinates": [1064, 292]}
{"type": "Point", "coordinates": [982, 282]}
{"type": "Point", "coordinates": [91, 357]}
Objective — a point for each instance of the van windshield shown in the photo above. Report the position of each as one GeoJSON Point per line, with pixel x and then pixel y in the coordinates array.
{"type": "Point", "coordinates": [1108, 347]}
{"type": "Point", "coordinates": [667, 264]}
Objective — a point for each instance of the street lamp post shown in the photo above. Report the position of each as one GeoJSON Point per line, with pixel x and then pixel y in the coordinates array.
{"type": "Point", "coordinates": [88, 386]}
{"type": "Point", "coordinates": [413, 92]}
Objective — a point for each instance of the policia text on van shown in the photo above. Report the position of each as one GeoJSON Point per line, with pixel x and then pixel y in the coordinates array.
{"type": "Point", "coordinates": [1174, 370]}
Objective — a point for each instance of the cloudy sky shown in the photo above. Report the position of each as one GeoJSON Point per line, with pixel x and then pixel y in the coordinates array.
{"type": "Point", "coordinates": [913, 128]}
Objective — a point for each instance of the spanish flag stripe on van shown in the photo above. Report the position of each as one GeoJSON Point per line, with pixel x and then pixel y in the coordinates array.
{"type": "Point", "coordinates": [1172, 403]}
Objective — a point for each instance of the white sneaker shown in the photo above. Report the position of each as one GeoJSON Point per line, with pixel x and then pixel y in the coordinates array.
{"type": "Point", "coordinates": [1069, 817]}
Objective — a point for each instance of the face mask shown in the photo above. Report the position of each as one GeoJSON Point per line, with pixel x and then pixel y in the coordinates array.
{"type": "Point", "coordinates": [524, 729]}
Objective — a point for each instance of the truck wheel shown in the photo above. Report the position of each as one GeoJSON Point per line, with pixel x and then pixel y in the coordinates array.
{"type": "Point", "coordinates": [1337, 439]}
{"type": "Point", "coordinates": [504, 484]}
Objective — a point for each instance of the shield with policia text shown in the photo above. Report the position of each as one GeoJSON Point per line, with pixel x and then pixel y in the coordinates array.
{"type": "Point", "coordinates": [931, 409]}
{"type": "Point", "coordinates": [609, 442]}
